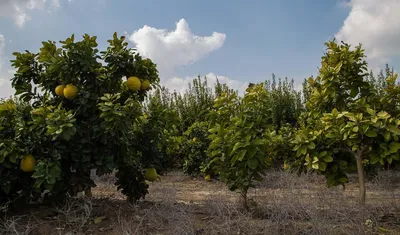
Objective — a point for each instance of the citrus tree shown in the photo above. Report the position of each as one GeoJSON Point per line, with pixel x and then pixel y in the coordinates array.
{"type": "Point", "coordinates": [88, 103]}
{"type": "Point", "coordinates": [346, 128]}
{"type": "Point", "coordinates": [241, 138]}
{"type": "Point", "coordinates": [285, 102]}
{"type": "Point", "coordinates": [195, 104]}
{"type": "Point", "coordinates": [157, 131]}
{"type": "Point", "coordinates": [194, 148]}
{"type": "Point", "coordinates": [26, 133]}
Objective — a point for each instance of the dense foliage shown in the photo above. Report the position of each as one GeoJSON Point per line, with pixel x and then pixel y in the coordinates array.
{"type": "Point", "coordinates": [73, 112]}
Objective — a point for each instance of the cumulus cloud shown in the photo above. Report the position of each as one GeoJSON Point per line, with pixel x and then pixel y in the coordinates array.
{"type": "Point", "coordinates": [180, 85]}
{"type": "Point", "coordinates": [18, 9]}
{"type": "Point", "coordinates": [172, 50]}
{"type": "Point", "coordinates": [175, 49]}
{"type": "Point", "coordinates": [374, 24]}
{"type": "Point", "coordinates": [5, 72]}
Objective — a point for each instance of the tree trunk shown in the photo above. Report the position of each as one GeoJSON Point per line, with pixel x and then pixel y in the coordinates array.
{"type": "Point", "coordinates": [243, 197]}
{"type": "Point", "coordinates": [361, 181]}
{"type": "Point", "coordinates": [88, 192]}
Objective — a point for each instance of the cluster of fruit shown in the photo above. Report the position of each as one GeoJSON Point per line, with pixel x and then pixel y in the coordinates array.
{"type": "Point", "coordinates": [68, 91]}
{"type": "Point", "coordinates": [135, 84]}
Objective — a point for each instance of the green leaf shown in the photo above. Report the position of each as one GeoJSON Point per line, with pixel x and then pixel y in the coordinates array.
{"type": "Point", "coordinates": [350, 116]}
{"type": "Point", "coordinates": [252, 163]}
{"type": "Point", "coordinates": [355, 129]}
{"type": "Point", "coordinates": [331, 135]}
{"type": "Point", "coordinates": [335, 112]}
{"type": "Point", "coordinates": [371, 111]}
{"type": "Point", "coordinates": [328, 159]}
{"type": "Point", "coordinates": [253, 150]}
{"type": "Point", "coordinates": [242, 154]}
{"type": "Point", "coordinates": [394, 147]}
{"type": "Point", "coordinates": [371, 134]}
{"type": "Point", "coordinates": [322, 166]}
{"type": "Point", "coordinates": [315, 166]}
{"type": "Point", "coordinates": [296, 147]}
{"type": "Point", "coordinates": [383, 114]}
{"type": "Point", "coordinates": [394, 129]}
{"type": "Point", "coordinates": [311, 145]}
{"type": "Point", "coordinates": [303, 149]}
{"type": "Point", "coordinates": [354, 92]}
{"type": "Point", "coordinates": [396, 157]}
{"type": "Point", "coordinates": [345, 135]}
{"type": "Point", "coordinates": [259, 142]}
{"type": "Point", "coordinates": [386, 135]}
{"type": "Point", "coordinates": [235, 147]}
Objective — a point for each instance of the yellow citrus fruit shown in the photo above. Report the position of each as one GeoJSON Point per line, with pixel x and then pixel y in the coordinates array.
{"type": "Point", "coordinates": [207, 178]}
{"type": "Point", "coordinates": [28, 163]}
{"type": "Point", "coordinates": [60, 90]}
{"type": "Point", "coordinates": [151, 174]}
{"type": "Point", "coordinates": [134, 83]}
{"type": "Point", "coordinates": [70, 91]}
{"type": "Point", "coordinates": [145, 85]}
{"type": "Point", "coordinates": [194, 139]}
{"type": "Point", "coordinates": [285, 166]}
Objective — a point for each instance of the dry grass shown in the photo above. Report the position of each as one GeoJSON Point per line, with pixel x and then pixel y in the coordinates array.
{"type": "Point", "coordinates": [283, 204]}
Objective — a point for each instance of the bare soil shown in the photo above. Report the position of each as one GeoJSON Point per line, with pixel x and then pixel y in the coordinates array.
{"type": "Point", "coordinates": [282, 204]}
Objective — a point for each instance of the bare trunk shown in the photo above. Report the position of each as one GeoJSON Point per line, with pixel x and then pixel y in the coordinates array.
{"type": "Point", "coordinates": [243, 196]}
{"type": "Point", "coordinates": [361, 181]}
{"type": "Point", "coordinates": [88, 192]}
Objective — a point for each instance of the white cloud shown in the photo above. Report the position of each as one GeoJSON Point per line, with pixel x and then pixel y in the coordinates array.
{"type": "Point", "coordinates": [181, 84]}
{"type": "Point", "coordinates": [5, 72]}
{"type": "Point", "coordinates": [18, 9]}
{"type": "Point", "coordinates": [175, 49]}
{"type": "Point", "coordinates": [374, 24]}
{"type": "Point", "coordinates": [172, 50]}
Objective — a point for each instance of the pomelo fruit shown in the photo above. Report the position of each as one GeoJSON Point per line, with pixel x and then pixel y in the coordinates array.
{"type": "Point", "coordinates": [28, 163]}
{"type": "Point", "coordinates": [151, 175]}
{"type": "Point", "coordinates": [134, 83]}
{"type": "Point", "coordinates": [145, 85]}
{"type": "Point", "coordinates": [60, 90]}
{"type": "Point", "coordinates": [70, 91]}
{"type": "Point", "coordinates": [207, 178]}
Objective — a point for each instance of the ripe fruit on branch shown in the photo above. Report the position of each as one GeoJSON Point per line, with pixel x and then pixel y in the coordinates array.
{"type": "Point", "coordinates": [145, 85]}
{"type": "Point", "coordinates": [134, 83]}
{"type": "Point", "coordinates": [28, 163]}
{"type": "Point", "coordinates": [70, 91]}
{"type": "Point", "coordinates": [60, 90]}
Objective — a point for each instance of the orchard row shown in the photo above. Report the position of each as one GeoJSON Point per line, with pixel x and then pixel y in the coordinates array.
{"type": "Point", "coordinates": [72, 113]}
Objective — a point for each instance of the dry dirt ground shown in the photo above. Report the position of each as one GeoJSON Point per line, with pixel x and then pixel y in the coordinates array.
{"type": "Point", "coordinates": [283, 204]}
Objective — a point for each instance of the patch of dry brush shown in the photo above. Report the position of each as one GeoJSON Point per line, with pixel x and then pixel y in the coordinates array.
{"type": "Point", "coordinates": [283, 204]}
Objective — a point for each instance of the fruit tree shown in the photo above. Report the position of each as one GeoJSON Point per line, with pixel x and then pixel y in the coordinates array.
{"type": "Point", "coordinates": [79, 111]}
{"type": "Point", "coordinates": [242, 136]}
{"type": "Point", "coordinates": [346, 129]}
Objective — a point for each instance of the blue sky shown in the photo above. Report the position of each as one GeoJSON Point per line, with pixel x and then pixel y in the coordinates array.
{"type": "Point", "coordinates": [251, 41]}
